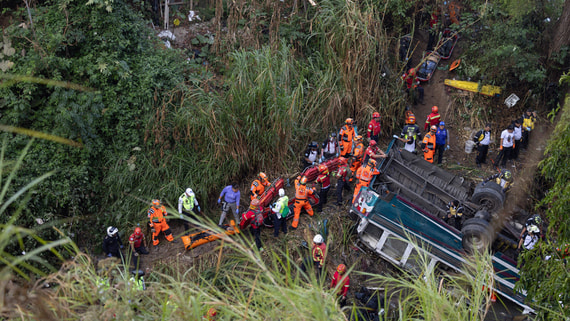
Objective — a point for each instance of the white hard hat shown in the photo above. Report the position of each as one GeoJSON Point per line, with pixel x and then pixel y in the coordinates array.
{"type": "Point", "coordinates": [533, 229]}
{"type": "Point", "coordinates": [281, 192]}
{"type": "Point", "coordinates": [111, 230]}
{"type": "Point", "coordinates": [318, 239]}
{"type": "Point", "coordinates": [189, 192]}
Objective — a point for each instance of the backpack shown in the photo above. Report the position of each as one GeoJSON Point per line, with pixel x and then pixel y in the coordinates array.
{"type": "Point", "coordinates": [258, 219]}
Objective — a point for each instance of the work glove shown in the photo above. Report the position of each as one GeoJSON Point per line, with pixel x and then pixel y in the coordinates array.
{"type": "Point", "coordinates": [122, 246]}
{"type": "Point", "coordinates": [136, 253]}
{"type": "Point", "coordinates": [237, 211]}
{"type": "Point", "coordinates": [109, 255]}
{"type": "Point", "coordinates": [199, 209]}
{"type": "Point", "coordinates": [219, 200]}
{"type": "Point", "coordinates": [528, 129]}
{"type": "Point", "coordinates": [447, 147]}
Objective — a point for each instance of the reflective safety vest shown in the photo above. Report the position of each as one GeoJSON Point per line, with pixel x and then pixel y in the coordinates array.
{"type": "Point", "coordinates": [137, 284]}
{"type": "Point", "coordinates": [257, 187]}
{"type": "Point", "coordinates": [366, 174]}
{"type": "Point", "coordinates": [301, 192]}
{"type": "Point", "coordinates": [429, 141]}
{"type": "Point", "coordinates": [319, 252]}
{"type": "Point", "coordinates": [187, 201]}
{"type": "Point", "coordinates": [528, 122]}
{"type": "Point", "coordinates": [347, 133]}
{"type": "Point", "coordinates": [156, 215]}
{"type": "Point", "coordinates": [358, 152]}
{"type": "Point", "coordinates": [502, 182]}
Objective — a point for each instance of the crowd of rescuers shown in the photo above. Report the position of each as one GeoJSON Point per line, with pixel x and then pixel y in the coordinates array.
{"type": "Point", "coordinates": [358, 163]}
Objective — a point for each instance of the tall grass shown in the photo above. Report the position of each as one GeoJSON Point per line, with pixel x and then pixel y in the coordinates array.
{"type": "Point", "coordinates": [241, 283]}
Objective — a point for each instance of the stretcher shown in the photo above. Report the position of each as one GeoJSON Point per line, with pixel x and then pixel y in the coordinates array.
{"type": "Point", "coordinates": [487, 90]}
{"type": "Point", "coordinates": [206, 236]}
{"type": "Point", "coordinates": [446, 44]}
{"type": "Point", "coordinates": [428, 67]}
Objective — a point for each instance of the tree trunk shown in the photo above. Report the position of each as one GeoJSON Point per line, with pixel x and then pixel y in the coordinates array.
{"type": "Point", "coordinates": [561, 35]}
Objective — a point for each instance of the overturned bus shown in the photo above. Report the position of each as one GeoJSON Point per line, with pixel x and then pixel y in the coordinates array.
{"type": "Point", "coordinates": [408, 199]}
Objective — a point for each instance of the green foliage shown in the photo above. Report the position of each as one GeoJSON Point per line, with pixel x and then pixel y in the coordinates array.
{"type": "Point", "coordinates": [22, 250]}
{"type": "Point", "coordinates": [547, 280]}
{"type": "Point", "coordinates": [506, 46]}
{"type": "Point", "coordinates": [73, 42]}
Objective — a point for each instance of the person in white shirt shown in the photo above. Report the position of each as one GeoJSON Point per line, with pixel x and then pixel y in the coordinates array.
{"type": "Point", "coordinates": [518, 135]}
{"type": "Point", "coordinates": [506, 146]}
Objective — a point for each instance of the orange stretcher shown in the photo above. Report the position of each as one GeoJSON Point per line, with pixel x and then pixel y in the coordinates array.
{"type": "Point", "coordinates": [206, 236]}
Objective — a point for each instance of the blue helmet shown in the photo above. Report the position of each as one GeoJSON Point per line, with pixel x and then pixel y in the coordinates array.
{"type": "Point", "coordinates": [441, 123]}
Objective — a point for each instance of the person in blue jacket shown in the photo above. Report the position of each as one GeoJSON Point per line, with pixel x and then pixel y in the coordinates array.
{"type": "Point", "coordinates": [441, 141]}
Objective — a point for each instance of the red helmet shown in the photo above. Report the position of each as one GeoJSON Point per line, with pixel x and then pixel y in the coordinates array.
{"type": "Point", "coordinates": [341, 268]}
{"type": "Point", "coordinates": [412, 71]}
{"type": "Point", "coordinates": [138, 231]}
{"type": "Point", "coordinates": [372, 143]}
{"type": "Point", "coordinates": [375, 115]}
{"type": "Point", "coordinates": [434, 109]}
{"type": "Point", "coordinates": [254, 203]}
{"type": "Point", "coordinates": [155, 202]}
{"type": "Point", "coordinates": [303, 180]}
{"type": "Point", "coordinates": [323, 169]}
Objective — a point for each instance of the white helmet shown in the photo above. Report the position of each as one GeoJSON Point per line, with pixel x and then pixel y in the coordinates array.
{"type": "Point", "coordinates": [281, 192]}
{"type": "Point", "coordinates": [111, 231]}
{"type": "Point", "coordinates": [533, 229]}
{"type": "Point", "coordinates": [189, 192]}
{"type": "Point", "coordinates": [318, 239]}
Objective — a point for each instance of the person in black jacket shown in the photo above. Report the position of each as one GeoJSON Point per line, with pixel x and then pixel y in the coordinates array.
{"type": "Point", "coordinates": [482, 140]}
{"type": "Point", "coordinates": [112, 243]}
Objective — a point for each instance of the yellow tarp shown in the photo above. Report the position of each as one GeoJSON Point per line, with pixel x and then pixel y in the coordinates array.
{"type": "Point", "coordinates": [474, 87]}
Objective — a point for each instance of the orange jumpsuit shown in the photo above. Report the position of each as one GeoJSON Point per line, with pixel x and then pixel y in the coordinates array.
{"type": "Point", "coordinates": [302, 193]}
{"type": "Point", "coordinates": [364, 175]}
{"type": "Point", "coordinates": [346, 136]}
{"type": "Point", "coordinates": [428, 146]}
{"type": "Point", "coordinates": [358, 155]}
{"type": "Point", "coordinates": [158, 223]}
{"type": "Point", "coordinates": [257, 188]}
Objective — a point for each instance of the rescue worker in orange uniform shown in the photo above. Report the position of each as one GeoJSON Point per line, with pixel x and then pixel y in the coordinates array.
{"type": "Point", "coordinates": [324, 179]}
{"type": "Point", "coordinates": [346, 135]}
{"type": "Point", "coordinates": [433, 118]}
{"type": "Point", "coordinates": [364, 175]}
{"type": "Point", "coordinates": [156, 215]}
{"type": "Point", "coordinates": [343, 281]}
{"type": "Point", "coordinates": [302, 193]}
{"type": "Point", "coordinates": [258, 186]}
{"type": "Point", "coordinates": [374, 127]}
{"type": "Point", "coordinates": [428, 144]}
{"type": "Point", "coordinates": [357, 154]}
